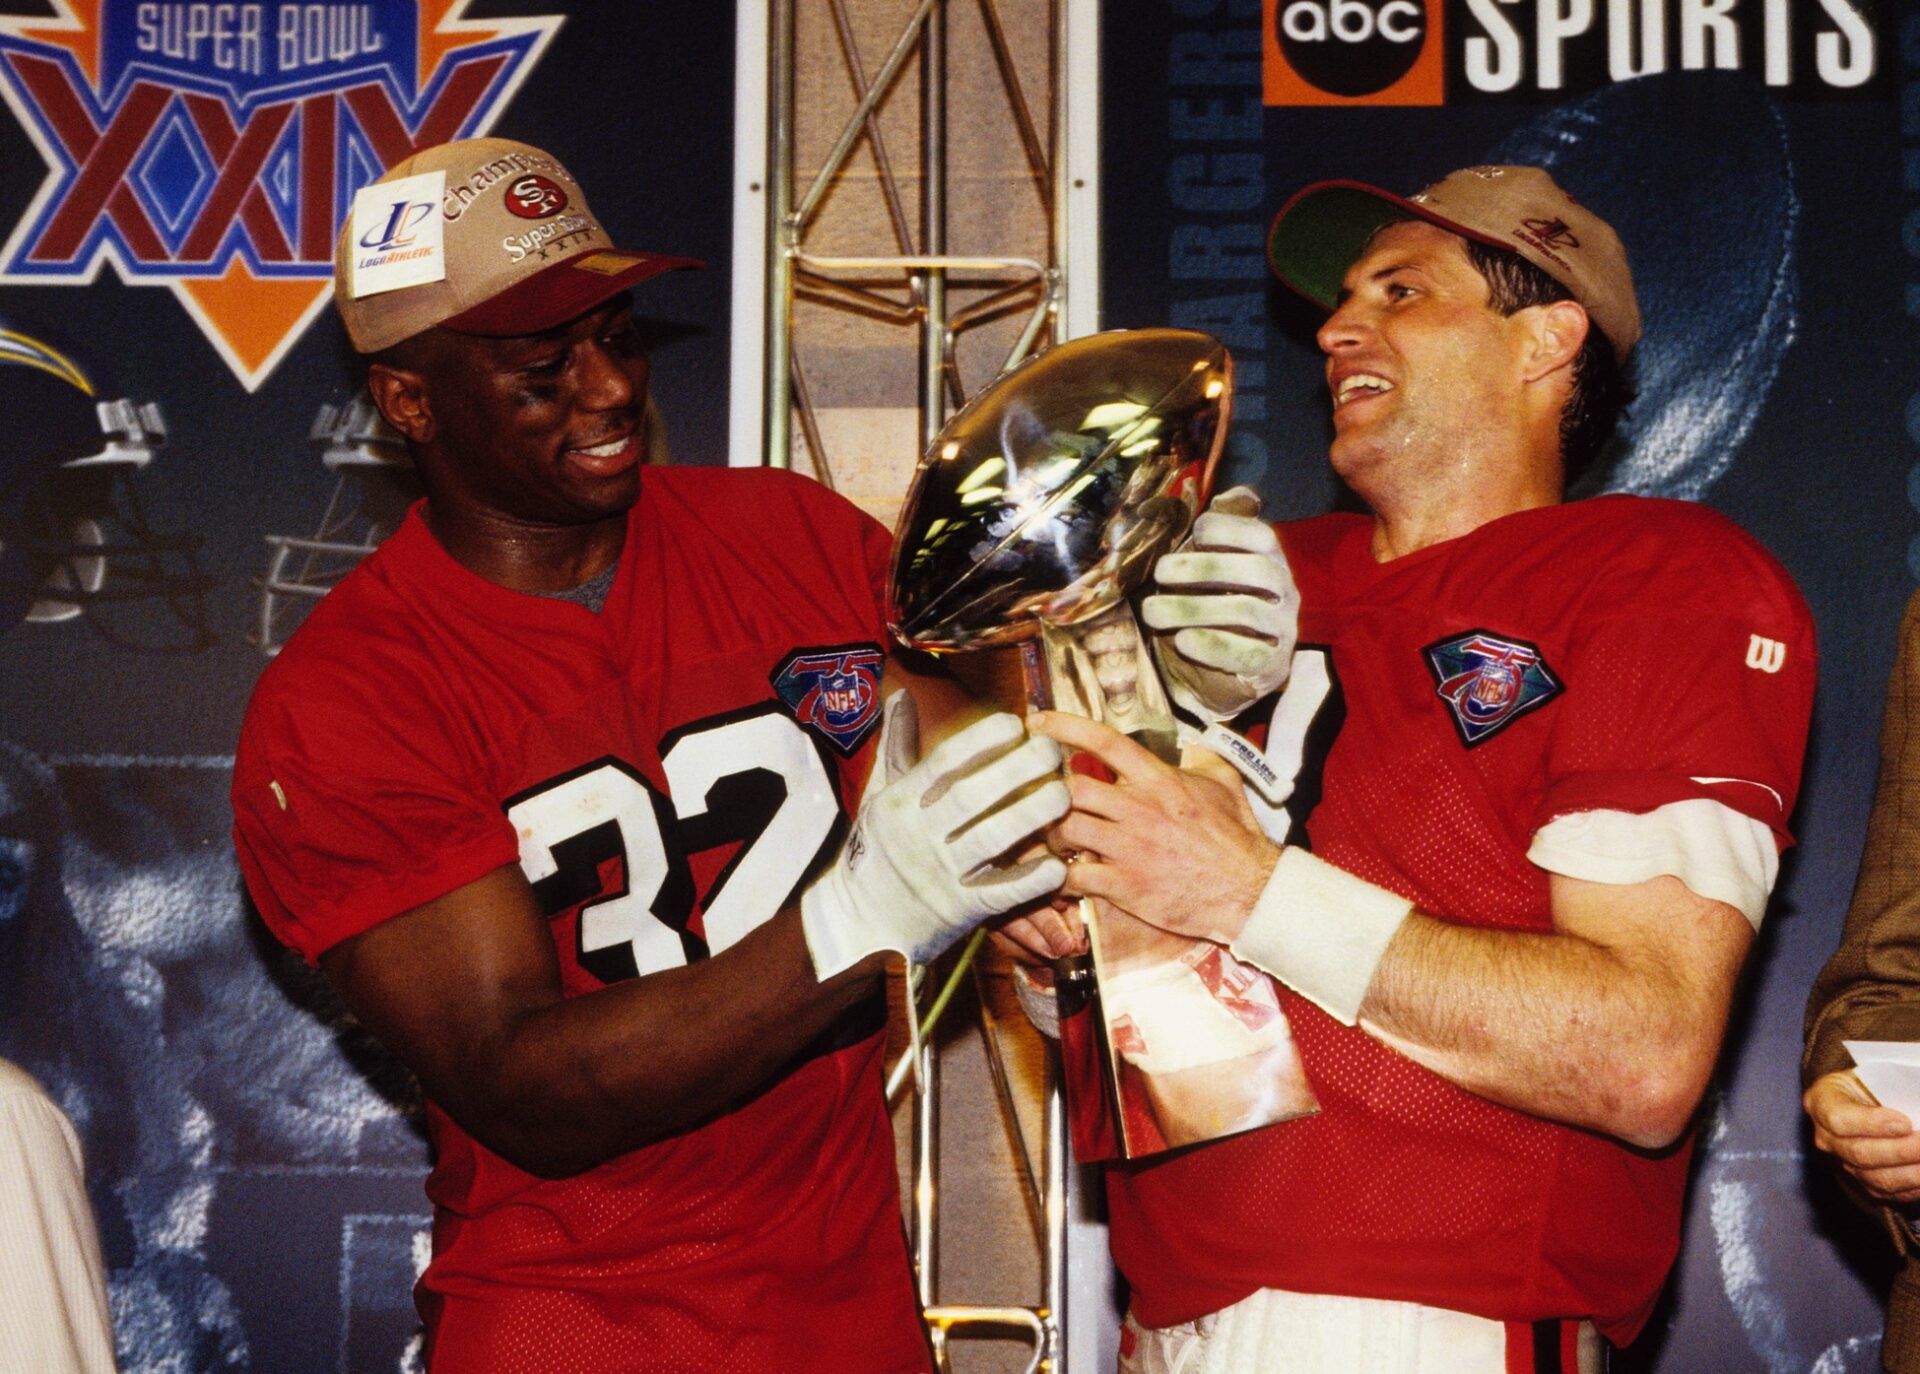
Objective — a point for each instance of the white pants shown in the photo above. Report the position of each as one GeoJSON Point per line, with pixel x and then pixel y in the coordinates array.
{"type": "Point", "coordinates": [1275, 1332]}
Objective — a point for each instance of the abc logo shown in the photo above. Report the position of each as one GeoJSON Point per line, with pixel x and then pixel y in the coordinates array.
{"type": "Point", "coordinates": [1352, 47]}
{"type": "Point", "coordinates": [1353, 51]}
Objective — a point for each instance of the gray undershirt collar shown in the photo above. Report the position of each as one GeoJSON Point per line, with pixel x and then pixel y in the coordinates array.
{"type": "Point", "coordinates": [593, 592]}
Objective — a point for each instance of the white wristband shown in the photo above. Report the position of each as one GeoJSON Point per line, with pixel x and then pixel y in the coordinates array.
{"type": "Point", "coordinates": [1321, 931]}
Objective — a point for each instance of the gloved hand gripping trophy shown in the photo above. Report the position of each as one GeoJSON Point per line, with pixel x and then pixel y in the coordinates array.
{"type": "Point", "coordinates": [1226, 610]}
{"type": "Point", "coordinates": [1040, 507]}
{"type": "Point", "coordinates": [917, 871]}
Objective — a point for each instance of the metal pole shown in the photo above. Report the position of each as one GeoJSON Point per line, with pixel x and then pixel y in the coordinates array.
{"type": "Point", "coordinates": [933, 297]}
{"type": "Point", "coordinates": [777, 379]}
{"type": "Point", "coordinates": [1059, 1160]}
{"type": "Point", "coordinates": [1059, 170]}
{"type": "Point", "coordinates": [1059, 1155]}
{"type": "Point", "coordinates": [933, 223]}
{"type": "Point", "coordinates": [926, 1162]}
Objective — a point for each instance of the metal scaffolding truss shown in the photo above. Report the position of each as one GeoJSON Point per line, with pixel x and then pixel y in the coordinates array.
{"type": "Point", "coordinates": [921, 260]}
{"type": "Point", "coordinates": [916, 283]}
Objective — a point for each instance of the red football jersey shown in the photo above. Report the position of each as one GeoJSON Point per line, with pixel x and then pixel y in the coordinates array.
{"type": "Point", "coordinates": [667, 772]}
{"type": "Point", "coordinates": [1618, 653]}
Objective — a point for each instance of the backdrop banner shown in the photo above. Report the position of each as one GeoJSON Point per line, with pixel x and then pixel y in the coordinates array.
{"type": "Point", "coordinates": [1756, 159]}
{"type": "Point", "coordinates": [171, 180]}
{"type": "Point", "coordinates": [171, 176]}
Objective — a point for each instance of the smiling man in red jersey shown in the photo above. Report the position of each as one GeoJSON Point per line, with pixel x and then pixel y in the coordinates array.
{"type": "Point", "coordinates": [1543, 757]}
{"type": "Point", "coordinates": [595, 794]}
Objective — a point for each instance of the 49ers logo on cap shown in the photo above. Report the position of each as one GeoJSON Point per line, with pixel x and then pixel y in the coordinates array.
{"type": "Point", "coordinates": [1353, 52]}
{"type": "Point", "coordinates": [535, 197]}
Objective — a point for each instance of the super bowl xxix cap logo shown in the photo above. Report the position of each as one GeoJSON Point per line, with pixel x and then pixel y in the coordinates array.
{"type": "Point", "coordinates": [1488, 682]}
{"type": "Point", "coordinates": [215, 149]}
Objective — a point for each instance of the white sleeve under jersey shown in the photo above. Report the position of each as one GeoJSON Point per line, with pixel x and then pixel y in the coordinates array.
{"type": "Point", "coordinates": [1716, 851]}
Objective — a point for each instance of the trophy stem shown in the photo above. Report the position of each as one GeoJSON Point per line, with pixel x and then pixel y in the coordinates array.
{"type": "Point", "coordinates": [1101, 669]}
{"type": "Point", "coordinates": [1167, 1040]}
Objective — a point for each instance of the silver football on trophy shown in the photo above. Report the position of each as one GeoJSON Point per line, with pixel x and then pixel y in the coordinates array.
{"type": "Point", "coordinates": [1050, 495]}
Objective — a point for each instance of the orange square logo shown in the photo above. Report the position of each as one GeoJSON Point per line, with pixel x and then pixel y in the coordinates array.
{"type": "Point", "coordinates": [1353, 52]}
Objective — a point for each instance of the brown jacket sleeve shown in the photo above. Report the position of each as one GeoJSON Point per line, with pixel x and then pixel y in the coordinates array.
{"type": "Point", "coordinates": [1870, 988]}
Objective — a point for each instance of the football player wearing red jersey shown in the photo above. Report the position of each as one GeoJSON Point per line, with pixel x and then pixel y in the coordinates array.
{"type": "Point", "coordinates": [1543, 756]}
{"type": "Point", "coordinates": [566, 789]}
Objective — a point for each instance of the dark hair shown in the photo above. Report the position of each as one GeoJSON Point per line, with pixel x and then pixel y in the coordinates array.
{"type": "Point", "coordinates": [1600, 392]}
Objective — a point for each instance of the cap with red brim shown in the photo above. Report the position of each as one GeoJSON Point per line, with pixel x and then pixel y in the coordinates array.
{"type": "Point", "coordinates": [556, 294]}
{"type": "Point", "coordinates": [1320, 233]}
{"type": "Point", "coordinates": [1325, 227]}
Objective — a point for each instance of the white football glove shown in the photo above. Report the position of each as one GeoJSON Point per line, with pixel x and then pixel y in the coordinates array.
{"type": "Point", "coordinates": [916, 871]}
{"type": "Point", "coordinates": [1227, 611]}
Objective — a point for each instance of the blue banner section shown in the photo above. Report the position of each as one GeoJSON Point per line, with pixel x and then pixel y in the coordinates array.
{"type": "Point", "coordinates": [179, 137]}
{"type": "Point", "coordinates": [255, 1161]}
{"type": "Point", "coordinates": [254, 48]}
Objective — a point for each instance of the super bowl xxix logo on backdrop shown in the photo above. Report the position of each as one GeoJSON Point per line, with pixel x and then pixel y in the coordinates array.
{"type": "Point", "coordinates": [215, 148]}
{"type": "Point", "coordinates": [1433, 52]}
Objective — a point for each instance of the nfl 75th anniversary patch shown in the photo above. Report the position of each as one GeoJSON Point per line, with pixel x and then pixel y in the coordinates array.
{"type": "Point", "coordinates": [1488, 682]}
{"type": "Point", "coordinates": [833, 691]}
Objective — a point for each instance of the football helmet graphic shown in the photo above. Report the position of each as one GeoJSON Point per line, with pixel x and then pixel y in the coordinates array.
{"type": "Point", "coordinates": [375, 482]}
{"type": "Point", "coordinates": [374, 485]}
{"type": "Point", "coordinates": [74, 540]}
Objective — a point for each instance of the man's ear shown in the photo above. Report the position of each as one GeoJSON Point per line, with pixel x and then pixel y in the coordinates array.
{"type": "Point", "coordinates": [400, 394]}
{"type": "Point", "coordinates": [1555, 334]}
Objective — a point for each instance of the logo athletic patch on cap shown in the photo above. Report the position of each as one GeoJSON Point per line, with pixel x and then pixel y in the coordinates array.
{"type": "Point", "coordinates": [397, 239]}
{"type": "Point", "coordinates": [1488, 682]}
{"type": "Point", "coordinates": [1553, 233]}
{"type": "Point", "coordinates": [833, 691]}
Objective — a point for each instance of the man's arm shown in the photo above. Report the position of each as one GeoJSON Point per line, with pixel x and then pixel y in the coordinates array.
{"type": "Point", "coordinates": [466, 991]}
{"type": "Point", "coordinates": [1611, 1021]}
{"type": "Point", "coordinates": [1870, 988]}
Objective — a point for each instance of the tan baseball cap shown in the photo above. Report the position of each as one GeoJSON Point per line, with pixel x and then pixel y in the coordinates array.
{"type": "Point", "coordinates": [1320, 233]}
{"type": "Point", "coordinates": [484, 236]}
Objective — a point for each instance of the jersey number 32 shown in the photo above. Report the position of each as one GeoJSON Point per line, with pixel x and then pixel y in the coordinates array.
{"type": "Point", "coordinates": [752, 778]}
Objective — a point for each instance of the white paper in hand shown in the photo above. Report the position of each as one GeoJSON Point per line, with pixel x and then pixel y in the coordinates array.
{"type": "Point", "coordinates": [1891, 1071]}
